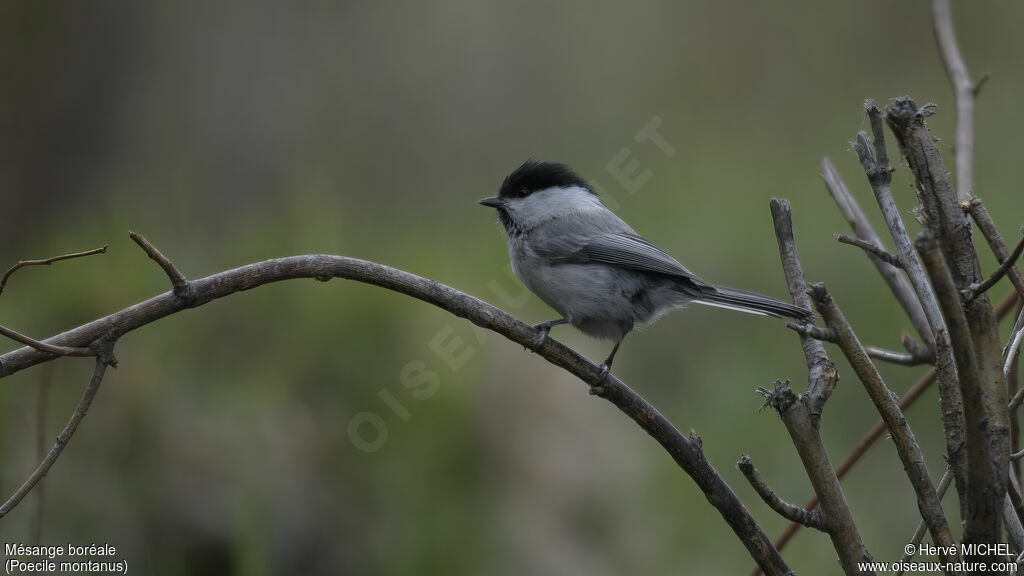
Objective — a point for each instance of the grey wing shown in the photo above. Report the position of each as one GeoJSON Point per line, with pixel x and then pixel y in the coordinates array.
{"type": "Point", "coordinates": [623, 248]}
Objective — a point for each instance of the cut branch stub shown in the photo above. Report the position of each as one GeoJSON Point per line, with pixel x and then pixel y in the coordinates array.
{"type": "Point", "coordinates": [940, 209]}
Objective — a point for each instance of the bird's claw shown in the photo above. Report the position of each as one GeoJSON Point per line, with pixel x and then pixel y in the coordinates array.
{"type": "Point", "coordinates": [600, 389]}
{"type": "Point", "coordinates": [544, 329]}
{"type": "Point", "coordinates": [926, 110]}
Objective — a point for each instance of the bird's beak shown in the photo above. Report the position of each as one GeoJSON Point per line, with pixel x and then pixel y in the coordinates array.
{"type": "Point", "coordinates": [493, 202]}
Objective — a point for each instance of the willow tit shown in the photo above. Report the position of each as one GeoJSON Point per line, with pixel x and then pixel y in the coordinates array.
{"type": "Point", "coordinates": [591, 267]}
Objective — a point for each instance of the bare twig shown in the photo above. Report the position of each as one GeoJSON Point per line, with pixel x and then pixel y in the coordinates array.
{"type": "Point", "coordinates": [898, 283]}
{"type": "Point", "coordinates": [964, 89]}
{"type": "Point", "coordinates": [1017, 398]}
{"type": "Point", "coordinates": [903, 358]}
{"type": "Point", "coordinates": [62, 439]}
{"type": "Point", "coordinates": [178, 280]}
{"type": "Point", "coordinates": [974, 290]}
{"type": "Point", "coordinates": [1014, 529]}
{"type": "Point", "coordinates": [1013, 512]}
{"type": "Point", "coordinates": [1012, 387]}
{"type": "Point", "coordinates": [812, 331]}
{"type": "Point", "coordinates": [47, 262]}
{"type": "Point", "coordinates": [1011, 353]}
{"type": "Point", "coordinates": [809, 518]}
{"type": "Point", "coordinates": [947, 478]}
{"type": "Point", "coordinates": [1018, 327]}
{"type": "Point", "coordinates": [43, 346]}
{"type": "Point", "coordinates": [801, 415]}
{"type": "Point", "coordinates": [903, 437]}
{"type": "Point", "coordinates": [55, 350]}
{"type": "Point", "coordinates": [686, 451]}
{"type": "Point", "coordinates": [995, 241]}
{"type": "Point", "coordinates": [874, 250]}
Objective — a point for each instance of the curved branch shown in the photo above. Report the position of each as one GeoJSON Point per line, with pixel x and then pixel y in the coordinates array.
{"type": "Point", "coordinates": [791, 512]}
{"type": "Point", "coordinates": [685, 450]}
{"type": "Point", "coordinates": [47, 262]}
{"type": "Point", "coordinates": [102, 361]}
{"type": "Point", "coordinates": [43, 346]}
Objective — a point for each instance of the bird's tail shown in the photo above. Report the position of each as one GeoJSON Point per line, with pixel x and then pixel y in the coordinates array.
{"type": "Point", "coordinates": [752, 302]}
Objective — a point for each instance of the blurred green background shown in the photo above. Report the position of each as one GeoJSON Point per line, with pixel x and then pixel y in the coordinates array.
{"type": "Point", "coordinates": [228, 134]}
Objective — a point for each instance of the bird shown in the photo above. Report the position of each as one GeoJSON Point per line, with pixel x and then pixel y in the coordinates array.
{"type": "Point", "coordinates": [592, 268]}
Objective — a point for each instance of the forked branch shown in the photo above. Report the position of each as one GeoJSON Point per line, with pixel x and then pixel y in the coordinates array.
{"type": "Point", "coordinates": [103, 359]}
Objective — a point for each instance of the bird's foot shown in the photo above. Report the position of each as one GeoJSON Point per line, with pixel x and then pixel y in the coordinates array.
{"type": "Point", "coordinates": [544, 328]}
{"type": "Point", "coordinates": [600, 389]}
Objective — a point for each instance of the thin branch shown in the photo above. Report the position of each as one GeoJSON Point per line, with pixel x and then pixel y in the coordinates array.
{"type": "Point", "coordinates": [42, 394]}
{"type": "Point", "coordinates": [964, 90]}
{"type": "Point", "coordinates": [1013, 507]}
{"type": "Point", "coordinates": [947, 478]}
{"type": "Point", "coordinates": [811, 331]}
{"type": "Point", "coordinates": [43, 346]}
{"type": "Point", "coordinates": [902, 358]}
{"type": "Point", "coordinates": [1013, 511]}
{"type": "Point", "coordinates": [903, 437]}
{"type": "Point", "coordinates": [1017, 398]}
{"type": "Point", "coordinates": [862, 228]}
{"type": "Point", "coordinates": [1012, 387]}
{"type": "Point", "coordinates": [178, 280]}
{"type": "Point", "coordinates": [47, 262]}
{"type": "Point", "coordinates": [974, 290]}
{"type": "Point", "coordinates": [995, 241]}
{"type": "Point", "coordinates": [1014, 529]}
{"type": "Point", "coordinates": [1018, 328]}
{"type": "Point", "coordinates": [686, 451]}
{"type": "Point", "coordinates": [874, 250]}
{"type": "Point", "coordinates": [791, 512]}
{"type": "Point", "coordinates": [62, 439]}
{"type": "Point", "coordinates": [1011, 353]}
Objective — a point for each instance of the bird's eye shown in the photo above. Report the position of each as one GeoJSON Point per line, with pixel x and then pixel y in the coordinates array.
{"type": "Point", "coordinates": [523, 192]}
